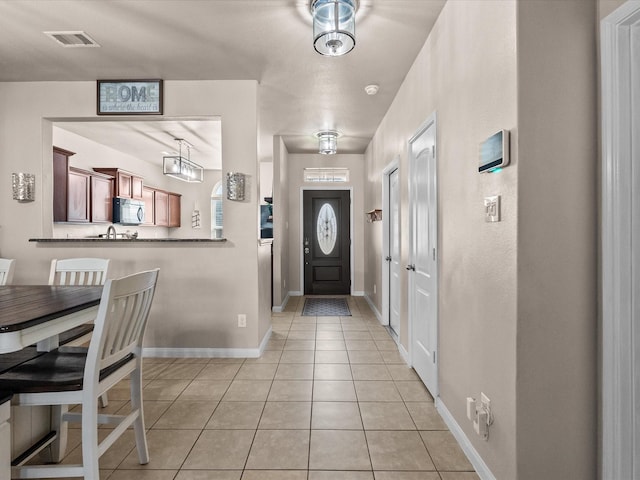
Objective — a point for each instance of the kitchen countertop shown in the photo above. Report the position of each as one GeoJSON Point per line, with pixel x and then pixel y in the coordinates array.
{"type": "Point", "coordinates": [128, 240]}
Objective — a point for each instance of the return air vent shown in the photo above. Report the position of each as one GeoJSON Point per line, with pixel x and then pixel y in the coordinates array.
{"type": "Point", "coordinates": [72, 39]}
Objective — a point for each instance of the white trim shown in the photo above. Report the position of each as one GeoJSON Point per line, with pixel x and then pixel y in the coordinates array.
{"type": "Point", "coordinates": [351, 231]}
{"type": "Point", "coordinates": [171, 352]}
{"type": "Point", "coordinates": [386, 207]}
{"type": "Point", "coordinates": [357, 293]}
{"type": "Point", "coordinates": [376, 312]}
{"type": "Point", "coordinates": [431, 120]}
{"type": "Point", "coordinates": [404, 354]}
{"type": "Point", "coordinates": [620, 392]}
{"type": "Point", "coordinates": [295, 294]}
{"type": "Point", "coordinates": [280, 308]}
{"type": "Point", "coordinates": [472, 454]}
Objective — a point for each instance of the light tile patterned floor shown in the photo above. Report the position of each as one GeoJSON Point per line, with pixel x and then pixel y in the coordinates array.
{"type": "Point", "coordinates": [330, 399]}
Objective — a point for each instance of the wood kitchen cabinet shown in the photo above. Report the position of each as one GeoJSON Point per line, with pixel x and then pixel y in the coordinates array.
{"type": "Point", "coordinates": [101, 198]}
{"type": "Point", "coordinates": [60, 183]}
{"type": "Point", "coordinates": [161, 208]}
{"type": "Point", "coordinates": [174, 209]}
{"type": "Point", "coordinates": [149, 199]}
{"type": "Point", "coordinates": [127, 184]}
{"type": "Point", "coordinates": [78, 196]}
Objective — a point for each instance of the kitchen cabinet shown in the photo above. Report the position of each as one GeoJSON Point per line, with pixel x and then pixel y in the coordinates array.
{"type": "Point", "coordinates": [78, 196]}
{"type": "Point", "coordinates": [174, 209]}
{"type": "Point", "coordinates": [148, 197]}
{"type": "Point", "coordinates": [101, 198]}
{"type": "Point", "coordinates": [161, 208]}
{"type": "Point", "coordinates": [127, 184]}
{"type": "Point", "coordinates": [60, 183]}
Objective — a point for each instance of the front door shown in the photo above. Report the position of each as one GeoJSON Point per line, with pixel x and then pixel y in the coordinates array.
{"type": "Point", "coordinates": [326, 242]}
{"type": "Point", "coordinates": [423, 269]}
{"type": "Point", "coordinates": [394, 251]}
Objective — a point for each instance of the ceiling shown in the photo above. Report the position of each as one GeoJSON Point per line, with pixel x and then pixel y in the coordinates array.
{"type": "Point", "coordinates": [300, 91]}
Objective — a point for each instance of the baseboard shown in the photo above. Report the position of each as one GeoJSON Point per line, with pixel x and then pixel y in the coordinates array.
{"type": "Point", "coordinates": [404, 354]}
{"type": "Point", "coordinates": [472, 454]}
{"type": "Point", "coordinates": [280, 308]}
{"type": "Point", "coordinates": [295, 294]}
{"type": "Point", "coordinates": [170, 352]}
{"type": "Point", "coordinates": [373, 308]}
{"type": "Point", "coordinates": [357, 293]}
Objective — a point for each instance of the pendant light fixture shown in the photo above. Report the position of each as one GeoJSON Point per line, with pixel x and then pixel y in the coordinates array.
{"type": "Point", "coordinates": [180, 167]}
{"type": "Point", "coordinates": [327, 142]}
{"type": "Point", "coordinates": [334, 26]}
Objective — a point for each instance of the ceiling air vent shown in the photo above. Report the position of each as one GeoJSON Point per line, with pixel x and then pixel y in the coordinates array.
{"type": "Point", "coordinates": [72, 39]}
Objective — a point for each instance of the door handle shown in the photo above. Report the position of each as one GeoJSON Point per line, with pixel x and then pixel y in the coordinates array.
{"type": "Point", "coordinates": [388, 258]}
{"type": "Point", "coordinates": [306, 250]}
{"type": "Point", "coordinates": [411, 267]}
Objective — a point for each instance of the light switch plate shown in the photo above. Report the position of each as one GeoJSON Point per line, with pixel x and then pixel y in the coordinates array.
{"type": "Point", "coordinates": [492, 208]}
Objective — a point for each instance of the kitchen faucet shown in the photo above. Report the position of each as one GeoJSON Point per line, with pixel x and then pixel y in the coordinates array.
{"type": "Point", "coordinates": [110, 230]}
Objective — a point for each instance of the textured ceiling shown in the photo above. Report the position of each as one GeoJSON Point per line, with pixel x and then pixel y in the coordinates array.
{"type": "Point", "coordinates": [300, 92]}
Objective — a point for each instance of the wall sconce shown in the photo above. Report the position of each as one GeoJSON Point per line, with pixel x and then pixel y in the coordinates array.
{"type": "Point", "coordinates": [374, 215]}
{"type": "Point", "coordinates": [235, 186]}
{"type": "Point", "coordinates": [24, 187]}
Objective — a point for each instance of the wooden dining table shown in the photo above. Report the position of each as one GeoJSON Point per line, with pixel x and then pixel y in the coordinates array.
{"type": "Point", "coordinates": [37, 314]}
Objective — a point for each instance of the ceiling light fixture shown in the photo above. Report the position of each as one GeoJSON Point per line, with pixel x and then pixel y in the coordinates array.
{"type": "Point", "coordinates": [334, 26]}
{"type": "Point", "coordinates": [327, 142]}
{"type": "Point", "coordinates": [182, 168]}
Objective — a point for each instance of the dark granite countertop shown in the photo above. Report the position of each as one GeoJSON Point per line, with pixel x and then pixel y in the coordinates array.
{"type": "Point", "coordinates": [128, 240]}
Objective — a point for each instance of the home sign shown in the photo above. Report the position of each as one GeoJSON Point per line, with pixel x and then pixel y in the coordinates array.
{"type": "Point", "coordinates": [129, 97]}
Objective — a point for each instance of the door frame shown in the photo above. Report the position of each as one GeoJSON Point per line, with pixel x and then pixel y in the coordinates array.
{"type": "Point", "coordinates": [301, 239]}
{"type": "Point", "coordinates": [620, 237]}
{"type": "Point", "coordinates": [386, 230]}
{"type": "Point", "coordinates": [431, 121]}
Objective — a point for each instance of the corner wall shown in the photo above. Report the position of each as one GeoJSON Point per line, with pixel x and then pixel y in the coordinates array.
{"type": "Point", "coordinates": [281, 255]}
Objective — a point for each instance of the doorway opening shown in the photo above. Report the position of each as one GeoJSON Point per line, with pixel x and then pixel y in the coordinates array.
{"type": "Point", "coordinates": [391, 265]}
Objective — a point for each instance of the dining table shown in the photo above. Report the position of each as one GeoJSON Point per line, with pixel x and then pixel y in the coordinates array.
{"type": "Point", "coordinates": [37, 314]}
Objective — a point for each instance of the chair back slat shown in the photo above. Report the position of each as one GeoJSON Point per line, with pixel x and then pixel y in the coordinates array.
{"type": "Point", "coordinates": [6, 271]}
{"type": "Point", "coordinates": [121, 321]}
{"type": "Point", "coordinates": [79, 271]}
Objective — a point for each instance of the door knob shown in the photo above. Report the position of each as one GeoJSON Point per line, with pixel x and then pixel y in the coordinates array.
{"type": "Point", "coordinates": [411, 267]}
{"type": "Point", "coordinates": [388, 259]}
{"type": "Point", "coordinates": [306, 250]}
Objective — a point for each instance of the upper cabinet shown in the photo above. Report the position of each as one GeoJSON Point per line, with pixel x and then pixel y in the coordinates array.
{"type": "Point", "coordinates": [128, 185]}
{"type": "Point", "coordinates": [79, 196]}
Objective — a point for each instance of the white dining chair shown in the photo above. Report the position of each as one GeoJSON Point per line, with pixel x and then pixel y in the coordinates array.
{"type": "Point", "coordinates": [82, 376]}
{"type": "Point", "coordinates": [6, 271]}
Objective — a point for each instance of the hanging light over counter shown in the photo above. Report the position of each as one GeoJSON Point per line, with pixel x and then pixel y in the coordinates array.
{"type": "Point", "coordinates": [180, 167]}
{"type": "Point", "coordinates": [334, 26]}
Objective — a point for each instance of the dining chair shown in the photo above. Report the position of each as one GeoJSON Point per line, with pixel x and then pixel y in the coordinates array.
{"type": "Point", "coordinates": [81, 376]}
{"type": "Point", "coordinates": [6, 271]}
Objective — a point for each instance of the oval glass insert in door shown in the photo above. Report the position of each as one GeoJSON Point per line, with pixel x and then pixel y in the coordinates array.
{"type": "Point", "coordinates": [327, 228]}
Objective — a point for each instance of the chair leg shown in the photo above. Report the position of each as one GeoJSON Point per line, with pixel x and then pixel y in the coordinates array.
{"type": "Point", "coordinates": [90, 457]}
{"type": "Point", "coordinates": [138, 424]}
{"type": "Point", "coordinates": [59, 445]}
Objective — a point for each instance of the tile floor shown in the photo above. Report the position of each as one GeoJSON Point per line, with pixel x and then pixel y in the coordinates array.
{"type": "Point", "coordinates": [330, 399]}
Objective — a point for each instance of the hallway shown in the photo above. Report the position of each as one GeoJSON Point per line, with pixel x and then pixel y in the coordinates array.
{"type": "Point", "coordinates": [330, 399]}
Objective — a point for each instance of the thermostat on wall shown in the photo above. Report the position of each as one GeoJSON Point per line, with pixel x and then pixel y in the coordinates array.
{"type": "Point", "coordinates": [494, 152]}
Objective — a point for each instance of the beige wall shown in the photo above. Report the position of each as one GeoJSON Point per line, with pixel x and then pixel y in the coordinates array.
{"type": "Point", "coordinates": [517, 298]}
{"type": "Point", "coordinates": [605, 7]}
{"type": "Point", "coordinates": [297, 163]}
{"type": "Point", "coordinates": [281, 255]}
{"type": "Point", "coordinates": [202, 288]}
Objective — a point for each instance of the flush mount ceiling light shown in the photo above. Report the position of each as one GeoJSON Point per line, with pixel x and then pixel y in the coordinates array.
{"type": "Point", "coordinates": [334, 26]}
{"type": "Point", "coordinates": [180, 167]}
{"type": "Point", "coordinates": [327, 142]}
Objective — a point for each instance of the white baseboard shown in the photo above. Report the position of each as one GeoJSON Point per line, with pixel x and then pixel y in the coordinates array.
{"type": "Point", "coordinates": [373, 308]}
{"type": "Point", "coordinates": [404, 354]}
{"type": "Point", "coordinates": [295, 294]}
{"type": "Point", "coordinates": [280, 308]}
{"type": "Point", "coordinates": [357, 293]}
{"type": "Point", "coordinates": [472, 454]}
{"type": "Point", "coordinates": [172, 352]}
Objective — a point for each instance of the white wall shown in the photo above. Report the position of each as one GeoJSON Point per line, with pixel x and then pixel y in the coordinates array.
{"type": "Point", "coordinates": [517, 299]}
{"type": "Point", "coordinates": [297, 163]}
{"type": "Point", "coordinates": [281, 220]}
{"type": "Point", "coordinates": [202, 287]}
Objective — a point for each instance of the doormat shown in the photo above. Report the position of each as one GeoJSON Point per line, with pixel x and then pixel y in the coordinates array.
{"type": "Point", "coordinates": [326, 307]}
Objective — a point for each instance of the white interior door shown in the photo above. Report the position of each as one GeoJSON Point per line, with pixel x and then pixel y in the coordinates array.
{"type": "Point", "coordinates": [394, 252]}
{"type": "Point", "coordinates": [423, 269]}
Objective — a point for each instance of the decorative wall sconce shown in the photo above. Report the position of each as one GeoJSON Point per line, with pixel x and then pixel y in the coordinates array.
{"type": "Point", "coordinates": [24, 187]}
{"type": "Point", "coordinates": [235, 186]}
{"type": "Point", "coordinates": [374, 215]}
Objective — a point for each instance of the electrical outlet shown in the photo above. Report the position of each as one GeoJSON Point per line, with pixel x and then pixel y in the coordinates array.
{"type": "Point", "coordinates": [242, 320]}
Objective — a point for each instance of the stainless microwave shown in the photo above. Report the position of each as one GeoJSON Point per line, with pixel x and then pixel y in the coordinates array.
{"type": "Point", "coordinates": [127, 211]}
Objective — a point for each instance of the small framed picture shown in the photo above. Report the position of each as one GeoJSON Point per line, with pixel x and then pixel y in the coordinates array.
{"type": "Point", "coordinates": [129, 97]}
